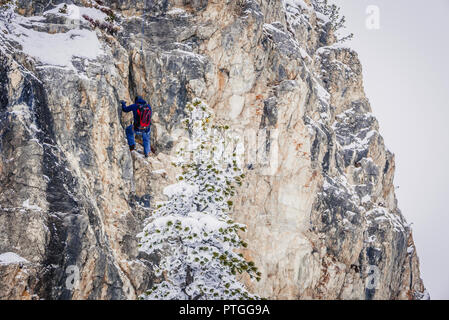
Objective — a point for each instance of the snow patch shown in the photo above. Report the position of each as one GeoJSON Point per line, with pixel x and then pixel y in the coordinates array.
{"type": "Point", "coordinates": [59, 49]}
{"type": "Point", "coordinates": [160, 171]}
{"type": "Point", "coordinates": [366, 199]}
{"type": "Point", "coordinates": [26, 204]}
{"type": "Point", "coordinates": [75, 12]}
{"type": "Point", "coordinates": [54, 49]}
{"type": "Point", "coordinates": [176, 11]}
{"type": "Point", "coordinates": [380, 215]}
{"type": "Point", "coordinates": [11, 258]}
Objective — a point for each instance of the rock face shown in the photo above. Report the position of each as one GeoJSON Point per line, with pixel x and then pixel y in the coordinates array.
{"type": "Point", "coordinates": [318, 200]}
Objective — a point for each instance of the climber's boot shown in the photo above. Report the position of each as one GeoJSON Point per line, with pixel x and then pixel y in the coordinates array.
{"type": "Point", "coordinates": [132, 148]}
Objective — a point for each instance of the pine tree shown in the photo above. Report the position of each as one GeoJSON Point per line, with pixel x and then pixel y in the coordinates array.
{"type": "Point", "coordinates": [332, 11]}
{"type": "Point", "coordinates": [192, 231]}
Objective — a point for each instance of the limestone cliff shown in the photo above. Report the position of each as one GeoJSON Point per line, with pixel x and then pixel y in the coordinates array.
{"type": "Point", "coordinates": [318, 200]}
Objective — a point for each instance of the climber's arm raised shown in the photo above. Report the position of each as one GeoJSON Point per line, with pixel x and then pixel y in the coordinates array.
{"type": "Point", "coordinates": [129, 108]}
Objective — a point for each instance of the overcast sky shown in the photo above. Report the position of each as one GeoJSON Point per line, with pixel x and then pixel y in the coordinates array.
{"type": "Point", "coordinates": [406, 76]}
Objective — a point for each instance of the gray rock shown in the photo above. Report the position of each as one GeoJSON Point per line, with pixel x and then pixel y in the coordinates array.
{"type": "Point", "coordinates": [72, 197]}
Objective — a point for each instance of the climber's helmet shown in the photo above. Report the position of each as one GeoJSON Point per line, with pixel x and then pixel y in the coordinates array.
{"type": "Point", "coordinates": [138, 98]}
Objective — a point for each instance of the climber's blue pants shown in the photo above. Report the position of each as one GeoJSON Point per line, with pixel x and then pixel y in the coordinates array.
{"type": "Point", "coordinates": [130, 132]}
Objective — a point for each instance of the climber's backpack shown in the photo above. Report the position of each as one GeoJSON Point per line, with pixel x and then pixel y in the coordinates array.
{"type": "Point", "coordinates": [143, 117]}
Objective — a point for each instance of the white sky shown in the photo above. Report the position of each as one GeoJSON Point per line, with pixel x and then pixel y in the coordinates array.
{"type": "Point", "coordinates": [406, 77]}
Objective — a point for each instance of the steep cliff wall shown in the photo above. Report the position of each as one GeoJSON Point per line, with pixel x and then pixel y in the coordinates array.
{"type": "Point", "coordinates": [318, 199]}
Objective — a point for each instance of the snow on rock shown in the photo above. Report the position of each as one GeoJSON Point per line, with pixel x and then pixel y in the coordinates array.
{"type": "Point", "coordinates": [177, 11]}
{"type": "Point", "coordinates": [298, 12]}
{"type": "Point", "coordinates": [313, 229]}
{"type": "Point", "coordinates": [55, 49]}
{"type": "Point", "coordinates": [366, 198]}
{"type": "Point", "coordinates": [379, 216]}
{"type": "Point", "coordinates": [76, 12]}
{"type": "Point", "coordinates": [160, 171]}
{"type": "Point", "coordinates": [59, 49]}
{"type": "Point", "coordinates": [26, 204]}
{"type": "Point", "coordinates": [11, 258]}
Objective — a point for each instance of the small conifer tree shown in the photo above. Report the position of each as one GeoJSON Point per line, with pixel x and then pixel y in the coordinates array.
{"type": "Point", "coordinates": [332, 11]}
{"type": "Point", "coordinates": [192, 231]}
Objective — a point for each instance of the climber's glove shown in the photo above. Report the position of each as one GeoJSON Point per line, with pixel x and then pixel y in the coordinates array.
{"type": "Point", "coordinates": [123, 103]}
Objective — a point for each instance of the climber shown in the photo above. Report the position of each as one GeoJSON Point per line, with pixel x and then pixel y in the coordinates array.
{"type": "Point", "coordinates": [142, 121]}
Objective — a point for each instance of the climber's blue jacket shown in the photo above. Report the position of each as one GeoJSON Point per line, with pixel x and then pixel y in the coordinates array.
{"type": "Point", "coordinates": [133, 108]}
